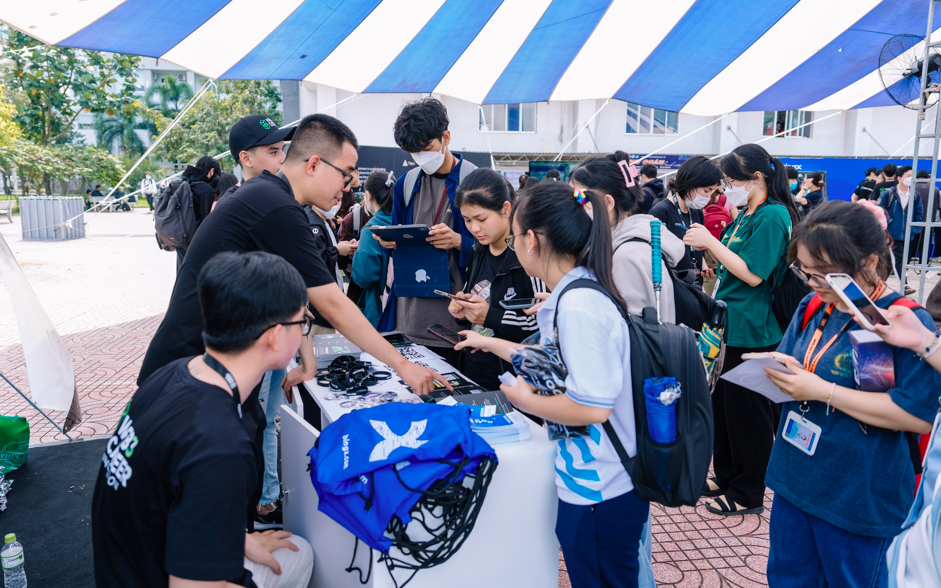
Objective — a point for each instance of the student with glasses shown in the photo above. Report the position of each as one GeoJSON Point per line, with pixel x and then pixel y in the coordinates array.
{"type": "Point", "coordinates": [836, 510]}
{"type": "Point", "coordinates": [181, 467]}
{"type": "Point", "coordinates": [750, 255]}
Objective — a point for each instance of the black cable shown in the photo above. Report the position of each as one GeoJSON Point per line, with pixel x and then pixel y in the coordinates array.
{"type": "Point", "coordinates": [359, 571]}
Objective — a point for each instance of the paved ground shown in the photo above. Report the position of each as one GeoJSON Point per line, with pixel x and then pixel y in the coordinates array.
{"type": "Point", "coordinates": [106, 294]}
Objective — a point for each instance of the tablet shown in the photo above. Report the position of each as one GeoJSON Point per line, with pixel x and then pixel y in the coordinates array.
{"type": "Point", "coordinates": [402, 234]}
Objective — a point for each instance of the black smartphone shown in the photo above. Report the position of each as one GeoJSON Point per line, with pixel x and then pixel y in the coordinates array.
{"type": "Point", "coordinates": [443, 293]}
{"type": "Point", "coordinates": [518, 303]}
{"type": "Point", "coordinates": [445, 334]}
{"type": "Point", "coordinates": [397, 339]}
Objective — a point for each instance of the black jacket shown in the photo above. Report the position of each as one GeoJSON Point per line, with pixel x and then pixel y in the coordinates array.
{"type": "Point", "coordinates": [328, 251]}
{"type": "Point", "coordinates": [511, 282]}
{"type": "Point", "coordinates": [203, 196]}
{"type": "Point", "coordinates": [653, 194]}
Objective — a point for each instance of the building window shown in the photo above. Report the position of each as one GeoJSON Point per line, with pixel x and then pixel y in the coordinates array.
{"type": "Point", "coordinates": [777, 122]}
{"type": "Point", "coordinates": [644, 120]}
{"type": "Point", "coordinates": [507, 118]}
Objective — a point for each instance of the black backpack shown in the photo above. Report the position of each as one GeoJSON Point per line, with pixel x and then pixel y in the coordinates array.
{"type": "Point", "coordinates": [175, 216]}
{"type": "Point", "coordinates": [671, 474]}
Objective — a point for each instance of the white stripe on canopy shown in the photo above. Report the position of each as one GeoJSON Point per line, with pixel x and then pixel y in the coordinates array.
{"type": "Point", "coordinates": [869, 85]}
{"type": "Point", "coordinates": [372, 46]}
{"type": "Point", "coordinates": [479, 68]}
{"type": "Point", "coordinates": [51, 21]}
{"type": "Point", "coordinates": [224, 39]}
{"type": "Point", "coordinates": [800, 34]}
{"type": "Point", "coordinates": [601, 67]}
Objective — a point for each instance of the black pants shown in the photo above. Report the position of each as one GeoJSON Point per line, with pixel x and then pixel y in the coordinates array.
{"type": "Point", "coordinates": [150, 201]}
{"type": "Point", "coordinates": [745, 424]}
{"type": "Point", "coordinates": [898, 249]}
{"type": "Point", "coordinates": [180, 254]}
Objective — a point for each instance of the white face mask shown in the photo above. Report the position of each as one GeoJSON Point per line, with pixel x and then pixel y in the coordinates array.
{"type": "Point", "coordinates": [738, 195]}
{"type": "Point", "coordinates": [429, 161]}
{"type": "Point", "coordinates": [698, 201]}
{"type": "Point", "coordinates": [907, 182]}
{"type": "Point", "coordinates": [329, 214]}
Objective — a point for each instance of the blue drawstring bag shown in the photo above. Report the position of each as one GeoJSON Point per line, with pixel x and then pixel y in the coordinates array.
{"type": "Point", "coordinates": [376, 469]}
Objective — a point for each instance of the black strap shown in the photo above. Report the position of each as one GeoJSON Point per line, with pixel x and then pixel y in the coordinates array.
{"type": "Point", "coordinates": [220, 369]}
{"type": "Point", "coordinates": [626, 461]}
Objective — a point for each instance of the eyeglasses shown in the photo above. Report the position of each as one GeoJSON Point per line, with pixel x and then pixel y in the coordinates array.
{"type": "Point", "coordinates": [348, 177]}
{"type": "Point", "coordinates": [812, 279]}
{"type": "Point", "coordinates": [305, 323]}
{"type": "Point", "coordinates": [511, 240]}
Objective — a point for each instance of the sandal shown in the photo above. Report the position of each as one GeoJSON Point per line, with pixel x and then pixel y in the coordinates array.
{"type": "Point", "coordinates": [728, 508]}
{"type": "Point", "coordinates": [708, 492]}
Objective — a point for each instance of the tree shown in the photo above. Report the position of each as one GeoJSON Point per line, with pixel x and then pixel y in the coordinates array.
{"type": "Point", "coordinates": [53, 85]}
{"type": "Point", "coordinates": [9, 135]}
{"type": "Point", "coordinates": [204, 129]}
{"type": "Point", "coordinates": [109, 129]}
{"type": "Point", "coordinates": [169, 96]}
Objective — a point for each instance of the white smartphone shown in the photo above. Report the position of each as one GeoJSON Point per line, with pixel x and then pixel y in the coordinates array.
{"type": "Point", "coordinates": [859, 304]}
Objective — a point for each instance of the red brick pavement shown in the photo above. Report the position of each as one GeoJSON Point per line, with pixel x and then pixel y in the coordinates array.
{"type": "Point", "coordinates": [692, 547]}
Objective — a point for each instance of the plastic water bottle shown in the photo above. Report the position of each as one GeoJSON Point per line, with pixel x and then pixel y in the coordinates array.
{"type": "Point", "coordinates": [14, 572]}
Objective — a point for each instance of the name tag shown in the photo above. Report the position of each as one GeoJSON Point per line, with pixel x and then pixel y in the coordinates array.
{"type": "Point", "coordinates": [801, 433]}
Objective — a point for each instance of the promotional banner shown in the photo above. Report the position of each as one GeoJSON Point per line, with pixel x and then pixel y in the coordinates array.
{"type": "Point", "coordinates": [48, 362]}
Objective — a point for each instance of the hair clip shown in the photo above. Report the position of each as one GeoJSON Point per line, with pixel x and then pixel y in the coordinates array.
{"type": "Point", "coordinates": [390, 180]}
{"type": "Point", "coordinates": [629, 172]}
{"type": "Point", "coordinates": [580, 197]}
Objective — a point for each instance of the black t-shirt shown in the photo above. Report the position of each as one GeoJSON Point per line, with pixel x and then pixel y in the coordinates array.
{"type": "Point", "coordinates": [864, 189]}
{"type": "Point", "coordinates": [325, 249]}
{"type": "Point", "coordinates": [670, 215]}
{"type": "Point", "coordinates": [262, 215]}
{"type": "Point", "coordinates": [882, 187]}
{"type": "Point", "coordinates": [174, 486]}
{"type": "Point", "coordinates": [485, 368]}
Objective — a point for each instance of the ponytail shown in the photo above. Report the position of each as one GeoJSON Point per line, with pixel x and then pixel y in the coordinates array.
{"type": "Point", "coordinates": [551, 210]}
{"type": "Point", "coordinates": [380, 187]}
{"type": "Point", "coordinates": [604, 174]}
{"type": "Point", "coordinates": [779, 188]}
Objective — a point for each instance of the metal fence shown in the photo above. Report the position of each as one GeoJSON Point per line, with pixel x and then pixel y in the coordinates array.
{"type": "Point", "coordinates": [52, 218]}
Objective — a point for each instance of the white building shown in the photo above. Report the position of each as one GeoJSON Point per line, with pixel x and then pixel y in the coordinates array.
{"type": "Point", "coordinates": [517, 133]}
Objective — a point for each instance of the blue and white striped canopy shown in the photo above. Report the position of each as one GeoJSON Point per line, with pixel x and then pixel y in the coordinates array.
{"type": "Point", "coordinates": [702, 57]}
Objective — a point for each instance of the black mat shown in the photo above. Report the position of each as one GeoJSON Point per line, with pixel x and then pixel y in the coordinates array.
{"type": "Point", "coordinates": [49, 509]}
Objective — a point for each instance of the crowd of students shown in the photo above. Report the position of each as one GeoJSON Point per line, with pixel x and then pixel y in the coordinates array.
{"type": "Point", "coordinates": [191, 470]}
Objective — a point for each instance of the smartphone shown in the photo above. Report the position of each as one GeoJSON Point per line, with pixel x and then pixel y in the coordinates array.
{"type": "Point", "coordinates": [396, 339]}
{"type": "Point", "coordinates": [859, 304]}
{"type": "Point", "coordinates": [442, 293]}
{"type": "Point", "coordinates": [409, 234]}
{"type": "Point", "coordinates": [518, 303]}
{"type": "Point", "coordinates": [445, 334]}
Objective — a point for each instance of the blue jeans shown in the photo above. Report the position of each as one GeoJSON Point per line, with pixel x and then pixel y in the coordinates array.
{"type": "Point", "coordinates": [271, 397]}
{"type": "Point", "coordinates": [808, 552]}
{"type": "Point", "coordinates": [601, 543]}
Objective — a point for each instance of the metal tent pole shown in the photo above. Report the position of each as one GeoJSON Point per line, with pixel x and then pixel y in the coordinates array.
{"type": "Point", "coordinates": [923, 266]}
{"type": "Point", "coordinates": [33, 404]}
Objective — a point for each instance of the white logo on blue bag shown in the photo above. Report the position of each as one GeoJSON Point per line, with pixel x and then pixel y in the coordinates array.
{"type": "Point", "coordinates": [421, 276]}
{"type": "Point", "coordinates": [390, 441]}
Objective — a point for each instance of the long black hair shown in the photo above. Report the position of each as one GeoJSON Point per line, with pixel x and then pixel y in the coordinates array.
{"type": "Point", "coordinates": [601, 173]}
{"type": "Point", "coordinates": [696, 172]}
{"type": "Point", "coordinates": [742, 163]}
{"type": "Point", "coordinates": [485, 188]}
{"type": "Point", "coordinates": [551, 210]}
{"type": "Point", "coordinates": [380, 193]}
{"type": "Point", "coordinates": [846, 234]}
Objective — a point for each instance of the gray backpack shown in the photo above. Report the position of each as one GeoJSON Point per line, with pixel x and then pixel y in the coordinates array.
{"type": "Point", "coordinates": [175, 217]}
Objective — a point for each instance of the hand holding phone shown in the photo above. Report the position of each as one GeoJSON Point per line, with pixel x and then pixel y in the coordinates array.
{"type": "Point", "coordinates": [867, 314]}
{"type": "Point", "coordinates": [447, 295]}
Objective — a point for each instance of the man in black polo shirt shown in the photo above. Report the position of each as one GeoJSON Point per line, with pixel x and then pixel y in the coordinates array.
{"type": "Point", "coordinates": [888, 181]}
{"type": "Point", "coordinates": [178, 473]}
{"type": "Point", "coordinates": [265, 214]}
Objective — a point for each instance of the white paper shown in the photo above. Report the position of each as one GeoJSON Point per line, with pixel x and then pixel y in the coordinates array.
{"type": "Point", "coordinates": [751, 374]}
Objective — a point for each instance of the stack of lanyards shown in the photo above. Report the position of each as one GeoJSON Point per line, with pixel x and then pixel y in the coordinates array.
{"type": "Point", "coordinates": [655, 263]}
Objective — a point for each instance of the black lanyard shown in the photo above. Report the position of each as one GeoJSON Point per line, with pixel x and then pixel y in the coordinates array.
{"type": "Point", "coordinates": [229, 379]}
{"type": "Point", "coordinates": [687, 222]}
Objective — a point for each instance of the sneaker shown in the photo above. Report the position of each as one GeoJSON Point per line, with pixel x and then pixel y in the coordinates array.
{"type": "Point", "coordinates": [272, 520]}
{"type": "Point", "coordinates": [909, 290]}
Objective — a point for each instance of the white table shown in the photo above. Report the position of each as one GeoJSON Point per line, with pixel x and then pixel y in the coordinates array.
{"type": "Point", "coordinates": [513, 543]}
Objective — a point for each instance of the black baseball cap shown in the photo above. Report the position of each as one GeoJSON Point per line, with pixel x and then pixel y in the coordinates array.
{"type": "Point", "coordinates": [253, 130]}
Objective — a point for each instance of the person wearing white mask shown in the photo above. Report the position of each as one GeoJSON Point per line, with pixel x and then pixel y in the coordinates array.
{"type": "Point", "coordinates": [421, 130]}
{"type": "Point", "coordinates": [751, 254]}
{"type": "Point", "coordinates": [690, 190]}
{"type": "Point", "coordinates": [330, 250]}
{"type": "Point", "coordinates": [896, 201]}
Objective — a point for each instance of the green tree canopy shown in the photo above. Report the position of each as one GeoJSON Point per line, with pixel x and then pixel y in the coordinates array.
{"type": "Point", "coordinates": [51, 86]}
{"type": "Point", "coordinates": [204, 129]}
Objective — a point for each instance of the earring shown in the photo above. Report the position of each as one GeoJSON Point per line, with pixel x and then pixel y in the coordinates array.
{"type": "Point", "coordinates": [530, 252]}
